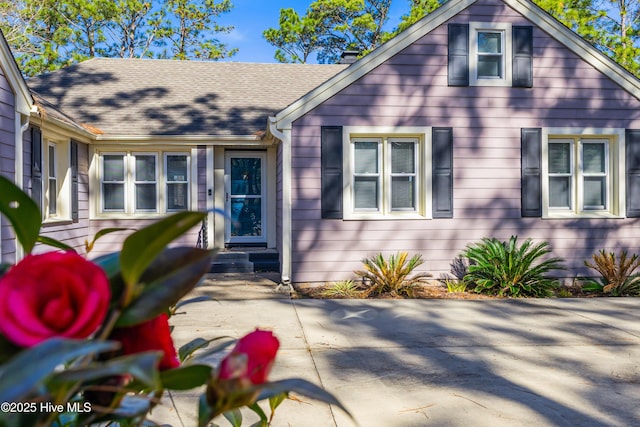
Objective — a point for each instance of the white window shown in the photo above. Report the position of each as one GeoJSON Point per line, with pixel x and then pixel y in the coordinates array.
{"type": "Point", "coordinates": [490, 53]}
{"type": "Point", "coordinates": [387, 174]}
{"type": "Point", "coordinates": [53, 179]}
{"type": "Point", "coordinates": [137, 183]}
{"type": "Point", "coordinates": [177, 181]}
{"type": "Point", "coordinates": [582, 174]}
{"type": "Point", "coordinates": [145, 174]}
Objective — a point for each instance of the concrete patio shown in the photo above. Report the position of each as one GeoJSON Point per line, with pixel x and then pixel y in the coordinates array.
{"type": "Point", "coordinates": [542, 362]}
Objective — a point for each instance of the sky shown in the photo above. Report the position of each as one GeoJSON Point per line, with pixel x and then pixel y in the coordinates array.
{"type": "Point", "coordinates": [251, 17]}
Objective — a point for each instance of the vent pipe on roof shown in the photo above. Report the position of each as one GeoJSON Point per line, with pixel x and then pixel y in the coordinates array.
{"type": "Point", "coordinates": [349, 57]}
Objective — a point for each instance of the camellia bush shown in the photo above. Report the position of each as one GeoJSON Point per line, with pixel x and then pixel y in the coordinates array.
{"type": "Point", "coordinates": [88, 342]}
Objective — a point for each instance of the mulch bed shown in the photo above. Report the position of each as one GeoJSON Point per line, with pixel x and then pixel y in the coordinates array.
{"type": "Point", "coordinates": [429, 291]}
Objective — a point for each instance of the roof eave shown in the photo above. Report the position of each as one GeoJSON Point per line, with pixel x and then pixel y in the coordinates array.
{"type": "Point", "coordinates": [361, 67]}
{"type": "Point", "coordinates": [24, 100]}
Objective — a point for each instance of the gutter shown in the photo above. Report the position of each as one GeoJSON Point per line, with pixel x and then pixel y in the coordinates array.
{"type": "Point", "coordinates": [21, 124]}
{"type": "Point", "coordinates": [284, 135]}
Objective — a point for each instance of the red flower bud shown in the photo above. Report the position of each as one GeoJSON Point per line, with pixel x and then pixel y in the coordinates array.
{"type": "Point", "coordinates": [56, 294]}
{"type": "Point", "coordinates": [153, 334]}
{"type": "Point", "coordinates": [251, 358]}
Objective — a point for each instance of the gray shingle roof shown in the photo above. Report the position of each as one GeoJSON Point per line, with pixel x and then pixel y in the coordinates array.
{"type": "Point", "coordinates": [140, 97]}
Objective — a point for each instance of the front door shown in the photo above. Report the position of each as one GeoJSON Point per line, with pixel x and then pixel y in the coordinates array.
{"type": "Point", "coordinates": [245, 204]}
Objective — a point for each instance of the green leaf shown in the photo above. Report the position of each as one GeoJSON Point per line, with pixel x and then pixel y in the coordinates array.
{"type": "Point", "coordinates": [205, 412]}
{"type": "Point", "coordinates": [196, 344]}
{"type": "Point", "coordinates": [22, 213]}
{"type": "Point", "coordinates": [89, 245]}
{"type": "Point", "coordinates": [31, 367]}
{"type": "Point", "coordinates": [258, 410]}
{"type": "Point", "coordinates": [301, 387]}
{"type": "Point", "coordinates": [142, 247]}
{"type": "Point", "coordinates": [142, 366]}
{"type": "Point", "coordinates": [194, 300]}
{"type": "Point", "coordinates": [167, 290]}
{"type": "Point", "coordinates": [275, 401]}
{"type": "Point", "coordinates": [185, 377]}
{"type": "Point", "coordinates": [55, 243]}
{"type": "Point", "coordinates": [234, 416]}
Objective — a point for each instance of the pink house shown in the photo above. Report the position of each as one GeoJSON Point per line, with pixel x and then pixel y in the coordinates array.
{"type": "Point", "coordinates": [487, 118]}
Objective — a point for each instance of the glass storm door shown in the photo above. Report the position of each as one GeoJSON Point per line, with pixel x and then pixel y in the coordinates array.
{"type": "Point", "coordinates": [245, 197]}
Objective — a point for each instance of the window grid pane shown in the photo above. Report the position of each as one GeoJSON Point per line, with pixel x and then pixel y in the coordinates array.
{"type": "Point", "coordinates": [145, 189]}
{"type": "Point", "coordinates": [53, 181]}
{"type": "Point", "coordinates": [113, 182]}
{"type": "Point", "coordinates": [177, 178]}
{"type": "Point", "coordinates": [490, 55]}
{"type": "Point", "coordinates": [560, 162]}
{"type": "Point", "coordinates": [403, 175]}
{"type": "Point", "coordinates": [366, 177]}
{"type": "Point", "coordinates": [594, 174]}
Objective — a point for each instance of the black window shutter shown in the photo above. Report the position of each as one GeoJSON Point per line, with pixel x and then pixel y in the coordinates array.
{"type": "Point", "coordinates": [74, 181]}
{"type": "Point", "coordinates": [331, 175]}
{"type": "Point", "coordinates": [458, 69]}
{"type": "Point", "coordinates": [36, 166]}
{"type": "Point", "coordinates": [632, 160]}
{"type": "Point", "coordinates": [522, 56]}
{"type": "Point", "coordinates": [531, 171]}
{"type": "Point", "coordinates": [442, 187]}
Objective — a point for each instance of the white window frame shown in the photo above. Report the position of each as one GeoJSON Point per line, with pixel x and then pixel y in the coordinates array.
{"type": "Point", "coordinates": [52, 179]}
{"type": "Point", "coordinates": [129, 184]}
{"type": "Point", "coordinates": [135, 182]}
{"type": "Point", "coordinates": [124, 182]}
{"type": "Point", "coordinates": [507, 69]}
{"type": "Point", "coordinates": [56, 180]}
{"type": "Point", "coordinates": [421, 136]}
{"type": "Point", "coordinates": [614, 171]}
{"type": "Point", "coordinates": [168, 181]}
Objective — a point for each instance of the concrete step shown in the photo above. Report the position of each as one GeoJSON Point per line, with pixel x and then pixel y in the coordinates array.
{"type": "Point", "coordinates": [246, 261]}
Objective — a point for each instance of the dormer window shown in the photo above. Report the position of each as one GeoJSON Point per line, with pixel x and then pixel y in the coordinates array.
{"type": "Point", "coordinates": [490, 54]}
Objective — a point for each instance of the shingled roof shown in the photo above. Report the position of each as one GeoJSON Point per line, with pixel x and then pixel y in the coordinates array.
{"type": "Point", "coordinates": [138, 97]}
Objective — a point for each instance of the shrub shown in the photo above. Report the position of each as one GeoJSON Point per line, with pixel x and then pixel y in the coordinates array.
{"type": "Point", "coordinates": [454, 285]}
{"type": "Point", "coordinates": [618, 277]}
{"type": "Point", "coordinates": [391, 275]}
{"type": "Point", "coordinates": [342, 289]}
{"type": "Point", "coordinates": [506, 269]}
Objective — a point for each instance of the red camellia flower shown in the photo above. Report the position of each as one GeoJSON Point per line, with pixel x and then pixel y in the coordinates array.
{"type": "Point", "coordinates": [153, 334]}
{"type": "Point", "coordinates": [251, 359]}
{"type": "Point", "coordinates": [56, 294]}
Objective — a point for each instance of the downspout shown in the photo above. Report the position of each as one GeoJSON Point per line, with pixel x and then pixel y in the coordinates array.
{"type": "Point", "coordinates": [21, 124]}
{"type": "Point", "coordinates": [284, 136]}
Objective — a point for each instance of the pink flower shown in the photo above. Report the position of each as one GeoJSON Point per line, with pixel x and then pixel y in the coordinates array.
{"type": "Point", "coordinates": [56, 294]}
{"type": "Point", "coordinates": [251, 359]}
{"type": "Point", "coordinates": [153, 334]}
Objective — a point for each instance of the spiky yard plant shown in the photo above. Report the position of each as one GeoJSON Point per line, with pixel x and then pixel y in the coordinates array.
{"type": "Point", "coordinates": [618, 276]}
{"type": "Point", "coordinates": [455, 285]}
{"type": "Point", "coordinates": [393, 275]}
{"type": "Point", "coordinates": [342, 289]}
{"type": "Point", "coordinates": [507, 269]}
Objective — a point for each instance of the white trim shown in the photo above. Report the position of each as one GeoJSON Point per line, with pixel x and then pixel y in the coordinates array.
{"type": "Point", "coordinates": [507, 62]}
{"type": "Point", "coordinates": [193, 181]}
{"type": "Point", "coordinates": [163, 192]}
{"type": "Point", "coordinates": [617, 167]}
{"type": "Point", "coordinates": [528, 9]}
{"type": "Point", "coordinates": [24, 100]}
{"type": "Point", "coordinates": [210, 196]}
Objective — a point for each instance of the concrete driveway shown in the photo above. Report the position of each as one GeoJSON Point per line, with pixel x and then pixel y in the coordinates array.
{"type": "Point", "coordinates": [533, 362]}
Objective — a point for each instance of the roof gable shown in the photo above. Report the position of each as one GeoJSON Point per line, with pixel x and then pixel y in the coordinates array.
{"type": "Point", "coordinates": [526, 8]}
{"type": "Point", "coordinates": [13, 75]}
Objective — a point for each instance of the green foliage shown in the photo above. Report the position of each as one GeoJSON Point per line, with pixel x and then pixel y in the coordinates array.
{"type": "Point", "coordinates": [49, 34]}
{"type": "Point", "coordinates": [392, 275]}
{"type": "Point", "coordinates": [342, 289]}
{"type": "Point", "coordinates": [328, 28]}
{"type": "Point", "coordinates": [618, 274]}
{"type": "Point", "coordinates": [454, 286]}
{"type": "Point", "coordinates": [506, 269]}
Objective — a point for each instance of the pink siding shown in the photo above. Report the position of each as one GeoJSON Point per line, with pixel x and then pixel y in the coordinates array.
{"type": "Point", "coordinates": [411, 89]}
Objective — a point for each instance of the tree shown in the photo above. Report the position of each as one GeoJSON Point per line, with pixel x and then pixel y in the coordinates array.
{"type": "Point", "coordinates": [49, 34]}
{"type": "Point", "coordinates": [328, 28]}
